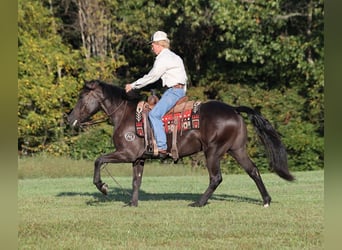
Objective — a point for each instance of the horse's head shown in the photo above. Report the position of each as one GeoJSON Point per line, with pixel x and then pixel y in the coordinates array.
{"type": "Point", "coordinates": [89, 103]}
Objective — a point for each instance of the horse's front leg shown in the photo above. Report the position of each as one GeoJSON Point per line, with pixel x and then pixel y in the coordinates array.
{"type": "Point", "coordinates": [138, 169]}
{"type": "Point", "coordinates": [103, 187]}
{"type": "Point", "coordinates": [115, 157]}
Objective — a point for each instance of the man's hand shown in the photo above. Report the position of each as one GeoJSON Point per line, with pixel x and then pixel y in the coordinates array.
{"type": "Point", "coordinates": [128, 87]}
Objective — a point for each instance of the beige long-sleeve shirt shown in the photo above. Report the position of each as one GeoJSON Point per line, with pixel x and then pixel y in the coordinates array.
{"type": "Point", "coordinates": [168, 66]}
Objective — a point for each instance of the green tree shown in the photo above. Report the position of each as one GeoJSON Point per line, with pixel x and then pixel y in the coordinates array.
{"type": "Point", "coordinates": [50, 75]}
{"type": "Point", "coordinates": [46, 84]}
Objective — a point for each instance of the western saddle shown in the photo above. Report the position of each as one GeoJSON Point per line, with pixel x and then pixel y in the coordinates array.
{"type": "Point", "coordinates": [184, 115]}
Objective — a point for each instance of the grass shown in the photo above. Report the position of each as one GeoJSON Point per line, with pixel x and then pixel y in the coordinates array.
{"type": "Point", "coordinates": [56, 167]}
{"type": "Point", "coordinates": [69, 213]}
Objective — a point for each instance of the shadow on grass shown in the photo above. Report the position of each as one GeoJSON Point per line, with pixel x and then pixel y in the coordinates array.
{"type": "Point", "coordinates": [123, 195]}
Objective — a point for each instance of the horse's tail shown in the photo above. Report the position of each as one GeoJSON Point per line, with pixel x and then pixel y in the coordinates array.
{"type": "Point", "coordinates": [270, 138]}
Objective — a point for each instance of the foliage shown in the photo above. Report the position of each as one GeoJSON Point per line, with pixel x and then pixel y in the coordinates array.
{"type": "Point", "coordinates": [46, 84]}
{"type": "Point", "coordinates": [92, 143]}
{"type": "Point", "coordinates": [266, 54]}
{"type": "Point", "coordinates": [49, 78]}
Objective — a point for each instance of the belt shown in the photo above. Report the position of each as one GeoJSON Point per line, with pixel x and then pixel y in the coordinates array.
{"type": "Point", "coordinates": [178, 86]}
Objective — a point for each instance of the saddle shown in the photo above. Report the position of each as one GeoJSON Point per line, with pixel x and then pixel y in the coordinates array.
{"type": "Point", "coordinates": [183, 116]}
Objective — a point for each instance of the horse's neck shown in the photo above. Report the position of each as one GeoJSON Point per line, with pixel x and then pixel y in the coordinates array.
{"type": "Point", "coordinates": [116, 111]}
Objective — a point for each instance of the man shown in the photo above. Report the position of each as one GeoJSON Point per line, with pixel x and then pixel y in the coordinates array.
{"type": "Point", "coordinates": [170, 68]}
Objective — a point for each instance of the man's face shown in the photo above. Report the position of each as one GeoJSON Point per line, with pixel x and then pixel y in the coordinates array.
{"type": "Point", "coordinates": [156, 48]}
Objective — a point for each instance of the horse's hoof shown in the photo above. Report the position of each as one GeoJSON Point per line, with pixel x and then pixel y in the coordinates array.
{"type": "Point", "coordinates": [104, 189]}
{"type": "Point", "coordinates": [133, 204]}
{"type": "Point", "coordinates": [267, 201]}
{"type": "Point", "coordinates": [196, 204]}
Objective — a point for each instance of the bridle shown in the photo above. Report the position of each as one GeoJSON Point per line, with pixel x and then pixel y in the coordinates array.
{"type": "Point", "coordinates": [107, 112]}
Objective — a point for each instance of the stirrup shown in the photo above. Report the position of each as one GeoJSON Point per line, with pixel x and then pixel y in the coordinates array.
{"type": "Point", "coordinates": [163, 155]}
{"type": "Point", "coordinates": [151, 154]}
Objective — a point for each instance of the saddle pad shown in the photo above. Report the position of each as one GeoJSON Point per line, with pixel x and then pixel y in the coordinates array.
{"type": "Point", "coordinates": [185, 120]}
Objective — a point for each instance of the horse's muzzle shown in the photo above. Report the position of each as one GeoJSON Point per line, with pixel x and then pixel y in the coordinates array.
{"type": "Point", "coordinates": [71, 120]}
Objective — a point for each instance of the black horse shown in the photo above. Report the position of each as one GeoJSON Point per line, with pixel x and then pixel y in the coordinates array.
{"type": "Point", "coordinates": [222, 130]}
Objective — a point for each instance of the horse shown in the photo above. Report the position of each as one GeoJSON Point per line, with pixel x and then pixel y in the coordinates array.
{"type": "Point", "coordinates": [222, 130]}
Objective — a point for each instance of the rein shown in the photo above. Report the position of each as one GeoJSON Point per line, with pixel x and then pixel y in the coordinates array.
{"type": "Point", "coordinates": [109, 114]}
{"type": "Point", "coordinates": [106, 111]}
{"type": "Point", "coordinates": [122, 189]}
{"type": "Point", "coordinates": [93, 122]}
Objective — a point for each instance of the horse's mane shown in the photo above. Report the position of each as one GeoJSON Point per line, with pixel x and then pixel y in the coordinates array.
{"type": "Point", "coordinates": [112, 91]}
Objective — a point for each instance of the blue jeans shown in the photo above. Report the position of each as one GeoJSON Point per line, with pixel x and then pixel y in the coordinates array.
{"type": "Point", "coordinates": [166, 102]}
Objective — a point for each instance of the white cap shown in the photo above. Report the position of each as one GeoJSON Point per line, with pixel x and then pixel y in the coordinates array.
{"type": "Point", "coordinates": [159, 36]}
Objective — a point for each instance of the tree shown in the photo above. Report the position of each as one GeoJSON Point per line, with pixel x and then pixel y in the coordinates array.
{"type": "Point", "coordinates": [45, 81]}
{"type": "Point", "coordinates": [266, 54]}
{"type": "Point", "coordinates": [49, 76]}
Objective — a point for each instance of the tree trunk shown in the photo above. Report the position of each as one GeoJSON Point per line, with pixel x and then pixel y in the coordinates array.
{"type": "Point", "coordinates": [94, 22]}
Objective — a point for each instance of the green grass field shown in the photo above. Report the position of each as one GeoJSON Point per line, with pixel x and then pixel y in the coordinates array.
{"type": "Point", "coordinates": [58, 212]}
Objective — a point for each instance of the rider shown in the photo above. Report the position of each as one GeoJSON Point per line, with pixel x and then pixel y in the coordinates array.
{"type": "Point", "coordinates": [170, 68]}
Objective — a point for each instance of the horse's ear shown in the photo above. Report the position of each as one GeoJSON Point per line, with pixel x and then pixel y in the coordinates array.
{"type": "Point", "coordinates": [92, 84]}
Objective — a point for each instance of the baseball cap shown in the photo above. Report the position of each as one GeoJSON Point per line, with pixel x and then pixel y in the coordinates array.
{"type": "Point", "coordinates": [159, 36]}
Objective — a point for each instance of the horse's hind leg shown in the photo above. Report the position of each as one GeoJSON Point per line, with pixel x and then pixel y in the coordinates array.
{"type": "Point", "coordinates": [243, 159]}
{"type": "Point", "coordinates": [215, 176]}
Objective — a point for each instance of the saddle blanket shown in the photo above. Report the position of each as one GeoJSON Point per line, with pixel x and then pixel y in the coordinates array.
{"type": "Point", "coordinates": [184, 120]}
